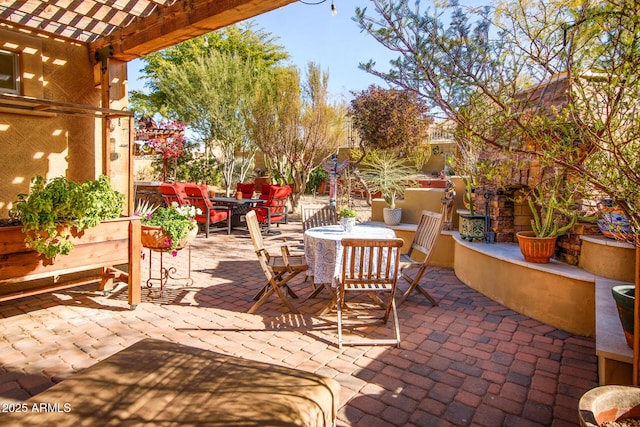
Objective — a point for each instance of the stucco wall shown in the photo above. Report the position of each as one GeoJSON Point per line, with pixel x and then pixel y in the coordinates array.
{"type": "Point", "coordinates": [48, 146]}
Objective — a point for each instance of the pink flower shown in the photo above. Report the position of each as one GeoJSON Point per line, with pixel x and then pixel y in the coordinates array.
{"type": "Point", "coordinates": [174, 253]}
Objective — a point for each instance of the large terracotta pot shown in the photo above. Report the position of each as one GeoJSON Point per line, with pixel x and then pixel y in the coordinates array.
{"type": "Point", "coordinates": [536, 249]}
{"type": "Point", "coordinates": [153, 237]}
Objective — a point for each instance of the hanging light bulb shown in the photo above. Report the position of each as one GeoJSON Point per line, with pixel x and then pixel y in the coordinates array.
{"type": "Point", "coordinates": [334, 11]}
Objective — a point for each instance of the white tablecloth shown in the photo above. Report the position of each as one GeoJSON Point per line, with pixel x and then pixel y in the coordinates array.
{"type": "Point", "coordinates": [323, 251]}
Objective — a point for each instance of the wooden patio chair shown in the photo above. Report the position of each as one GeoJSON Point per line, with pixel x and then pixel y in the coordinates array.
{"type": "Point", "coordinates": [424, 240]}
{"type": "Point", "coordinates": [369, 266]}
{"type": "Point", "coordinates": [317, 216]}
{"type": "Point", "coordinates": [279, 269]}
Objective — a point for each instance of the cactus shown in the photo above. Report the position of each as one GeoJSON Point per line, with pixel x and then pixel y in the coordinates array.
{"type": "Point", "coordinates": [468, 198]}
{"type": "Point", "coordinates": [548, 226]}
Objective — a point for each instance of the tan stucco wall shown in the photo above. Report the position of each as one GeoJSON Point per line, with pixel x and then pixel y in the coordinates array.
{"type": "Point", "coordinates": [48, 146]}
{"type": "Point", "coordinates": [566, 302]}
{"type": "Point", "coordinates": [418, 199]}
{"type": "Point", "coordinates": [608, 258]}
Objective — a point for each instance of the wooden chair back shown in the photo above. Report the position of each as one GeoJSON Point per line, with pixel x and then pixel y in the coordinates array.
{"type": "Point", "coordinates": [369, 264]}
{"type": "Point", "coordinates": [317, 216]}
{"type": "Point", "coordinates": [429, 228]}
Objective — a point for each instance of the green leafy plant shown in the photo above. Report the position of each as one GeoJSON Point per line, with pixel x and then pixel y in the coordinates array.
{"type": "Point", "coordinates": [386, 172]}
{"type": "Point", "coordinates": [347, 213]}
{"type": "Point", "coordinates": [55, 210]}
{"type": "Point", "coordinates": [176, 221]}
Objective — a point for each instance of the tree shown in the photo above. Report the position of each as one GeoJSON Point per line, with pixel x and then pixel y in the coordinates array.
{"type": "Point", "coordinates": [208, 82]}
{"type": "Point", "coordinates": [243, 40]}
{"type": "Point", "coordinates": [211, 95]}
{"type": "Point", "coordinates": [296, 127]}
{"type": "Point", "coordinates": [586, 54]}
{"type": "Point", "coordinates": [388, 120]}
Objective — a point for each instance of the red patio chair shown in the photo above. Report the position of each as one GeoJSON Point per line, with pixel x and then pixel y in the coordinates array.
{"type": "Point", "coordinates": [274, 208]}
{"type": "Point", "coordinates": [197, 196]}
{"type": "Point", "coordinates": [173, 192]}
{"type": "Point", "coordinates": [246, 189]}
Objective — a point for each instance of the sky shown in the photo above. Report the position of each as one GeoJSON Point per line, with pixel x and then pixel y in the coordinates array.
{"type": "Point", "coordinates": [310, 33]}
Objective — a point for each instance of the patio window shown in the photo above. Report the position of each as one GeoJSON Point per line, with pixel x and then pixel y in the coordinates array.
{"type": "Point", "coordinates": [9, 72]}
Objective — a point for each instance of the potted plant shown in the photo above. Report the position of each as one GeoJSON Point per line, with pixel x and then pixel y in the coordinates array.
{"type": "Point", "coordinates": [387, 173]}
{"type": "Point", "coordinates": [347, 218]}
{"type": "Point", "coordinates": [548, 205]}
{"type": "Point", "coordinates": [57, 210]}
{"type": "Point", "coordinates": [471, 226]}
{"type": "Point", "coordinates": [170, 228]}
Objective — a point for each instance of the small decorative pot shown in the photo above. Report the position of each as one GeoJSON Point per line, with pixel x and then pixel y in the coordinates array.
{"type": "Point", "coordinates": [471, 227]}
{"type": "Point", "coordinates": [613, 223]}
{"type": "Point", "coordinates": [536, 249]}
{"type": "Point", "coordinates": [348, 224]}
{"type": "Point", "coordinates": [392, 216]}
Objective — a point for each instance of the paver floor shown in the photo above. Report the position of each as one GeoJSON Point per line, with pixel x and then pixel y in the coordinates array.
{"type": "Point", "coordinates": [469, 361]}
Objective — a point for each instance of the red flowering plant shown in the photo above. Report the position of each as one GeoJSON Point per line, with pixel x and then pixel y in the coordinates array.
{"type": "Point", "coordinates": [168, 142]}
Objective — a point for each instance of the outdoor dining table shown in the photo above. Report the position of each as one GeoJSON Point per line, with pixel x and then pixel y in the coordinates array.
{"type": "Point", "coordinates": [323, 252]}
{"type": "Point", "coordinates": [237, 207]}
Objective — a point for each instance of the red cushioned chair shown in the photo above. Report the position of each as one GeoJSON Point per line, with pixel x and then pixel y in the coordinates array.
{"type": "Point", "coordinates": [274, 208]}
{"type": "Point", "coordinates": [173, 192]}
{"type": "Point", "coordinates": [246, 189]}
{"type": "Point", "coordinates": [197, 196]}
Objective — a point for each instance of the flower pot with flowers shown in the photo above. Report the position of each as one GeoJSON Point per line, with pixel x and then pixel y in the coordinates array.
{"type": "Point", "coordinates": [169, 229]}
{"type": "Point", "coordinates": [347, 218]}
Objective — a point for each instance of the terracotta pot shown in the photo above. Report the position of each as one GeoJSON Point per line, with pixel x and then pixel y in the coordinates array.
{"type": "Point", "coordinates": [536, 249]}
{"type": "Point", "coordinates": [153, 237]}
{"type": "Point", "coordinates": [608, 403]}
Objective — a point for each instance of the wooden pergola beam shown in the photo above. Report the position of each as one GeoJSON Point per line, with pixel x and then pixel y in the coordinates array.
{"type": "Point", "coordinates": [182, 21]}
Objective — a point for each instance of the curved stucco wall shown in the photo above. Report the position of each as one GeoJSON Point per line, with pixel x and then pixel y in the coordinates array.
{"type": "Point", "coordinates": [556, 294]}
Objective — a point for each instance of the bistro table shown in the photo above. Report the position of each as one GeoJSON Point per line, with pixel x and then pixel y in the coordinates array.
{"type": "Point", "coordinates": [323, 252]}
{"type": "Point", "coordinates": [237, 207]}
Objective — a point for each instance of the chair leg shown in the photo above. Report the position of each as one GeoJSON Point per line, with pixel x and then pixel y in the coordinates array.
{"type": "Point", "coordinates": [339, 310]}
{"type": "Point", "coordinates": [395, 321]}
{"type": "Point", "coordinates": [414, 283]}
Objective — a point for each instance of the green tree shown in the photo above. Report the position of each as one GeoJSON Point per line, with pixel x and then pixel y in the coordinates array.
{"type": "Point", "coordinates": [242, 40]}
{"type": "Point", "coordinates": [208, 82]}
{"type": "Point", "coordinates": [585, 55]}
{"type": "Point", "coordinates": [295, 125]}
{"type": "Point", "coordinates": [212, 94]}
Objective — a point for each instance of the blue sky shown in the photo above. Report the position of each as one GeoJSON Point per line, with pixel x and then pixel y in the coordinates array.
{"type": "Point", "coordinates": [310, 33]}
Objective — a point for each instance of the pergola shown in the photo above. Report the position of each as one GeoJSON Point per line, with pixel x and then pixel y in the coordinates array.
{"type": "Point", "coordinates": [128, 29]}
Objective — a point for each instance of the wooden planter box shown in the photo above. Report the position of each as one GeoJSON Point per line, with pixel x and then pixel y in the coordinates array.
{"type": "Point", "coordinates": [97, 253]}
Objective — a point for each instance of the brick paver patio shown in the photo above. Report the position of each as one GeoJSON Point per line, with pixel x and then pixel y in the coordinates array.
{"type": "Point", "coordinates": [469, 361]}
